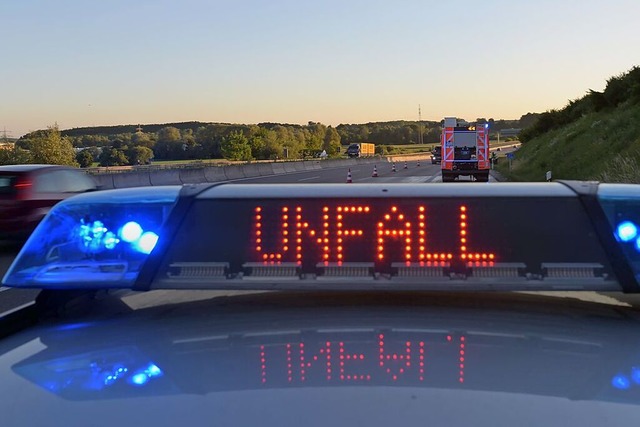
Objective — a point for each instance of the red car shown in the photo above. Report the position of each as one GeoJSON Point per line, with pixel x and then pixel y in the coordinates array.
{"type": "Point", "coordinates": [27, 192]}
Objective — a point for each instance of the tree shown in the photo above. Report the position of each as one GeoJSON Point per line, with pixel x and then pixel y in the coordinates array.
{"type": "Point", "coordinates": [291, 145]}
{"type": "Point", "coordinates": [14, 156]}
{"type": "Point", "coordinates": [169, 134]}
{"type": "Point", "coordinates": [112, 157]}
{"type": "Point", "coordinates": [84, 158]}
{"type": "Point", "coordinates": [315, 137]}
{"type": "Point", "coordinates": [169, 144]}
{"type": "Point", "coordinates": [142, 139]}
{"type": "Point", "coordinates": [236, 147]}
{"type": "Point", "coordinates": [331, 142]}
{"type": "Point", "coordinates": [208, 139]}
{"type": "Point", "coordinates": [139, 155]}
{"type": "Point", "coordinates": [49, 147]}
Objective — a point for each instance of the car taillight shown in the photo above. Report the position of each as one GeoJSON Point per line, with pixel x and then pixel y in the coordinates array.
{"type": "Point", "coordinates": [22, 187]}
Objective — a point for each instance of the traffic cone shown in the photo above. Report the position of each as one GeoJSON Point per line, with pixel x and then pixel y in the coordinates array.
{"type": "Point", "coordinates": [349, 180]}
{"type": "Point", "coordinates": [393, 167]}
{"type": "Point", "coordinates": [405, 165]}
{"type": "Point", "coordinates": [375, 171]}
{"type": "Point", "coordinates": [418, 165]}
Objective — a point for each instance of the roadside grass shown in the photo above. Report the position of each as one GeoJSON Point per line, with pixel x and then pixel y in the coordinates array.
{"type": "Point", "coordinates": [603, 146]}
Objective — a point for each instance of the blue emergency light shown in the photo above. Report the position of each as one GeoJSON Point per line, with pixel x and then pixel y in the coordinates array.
{"type": "Point", "coordinates": [101, 238]}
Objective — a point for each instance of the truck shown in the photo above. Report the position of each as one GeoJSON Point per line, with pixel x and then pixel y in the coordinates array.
{"type": "Point", "coordinates": [361, 149]}
{"type": "Point", "coordinates": [465, 150]}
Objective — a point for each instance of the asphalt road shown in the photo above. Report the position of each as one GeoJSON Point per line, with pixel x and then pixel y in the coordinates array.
{"type": "Point", "coordinates": [412, 174]}
{"type": "Point", "coordinates": [409, 172]}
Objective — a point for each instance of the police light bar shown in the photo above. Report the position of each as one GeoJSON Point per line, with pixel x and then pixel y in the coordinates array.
{"type": "Point", "coordinates": [95, 240]}
{"type": "Point", "coordinates": [535, 236]}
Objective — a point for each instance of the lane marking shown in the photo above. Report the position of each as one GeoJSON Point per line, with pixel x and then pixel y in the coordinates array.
{"type": "Point", "coordinates": [310, 178]}
{"type": "Point", "coordinates": [4, 288]}
{"type": "Point", "coordinates": [415, 179]}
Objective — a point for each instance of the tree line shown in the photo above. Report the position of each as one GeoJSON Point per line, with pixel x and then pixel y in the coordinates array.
{"type": "Point", "coordinates": [135, 145]}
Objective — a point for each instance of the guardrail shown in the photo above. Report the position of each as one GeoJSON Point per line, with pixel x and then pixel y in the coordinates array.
{"type": "Point", "coordinates": [409, 157]}
{"type": "Point", "coordinates": [140, 176]}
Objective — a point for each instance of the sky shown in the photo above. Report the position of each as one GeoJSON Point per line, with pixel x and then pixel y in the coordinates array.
{"type": "Point", "coordinates": [91, 63]}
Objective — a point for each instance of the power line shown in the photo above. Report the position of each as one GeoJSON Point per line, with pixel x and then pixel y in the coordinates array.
{"type": "Point", "coordinates": [5, 139]}
{"type": "Point", "coordinates": [420, 140]}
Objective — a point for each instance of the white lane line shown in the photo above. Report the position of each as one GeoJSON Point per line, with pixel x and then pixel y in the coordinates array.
{"type": "Point", "coordinates": [415, 179]}
{"type": "Point", "coordinates": [4, 288]}
{"type": "Point", "coordinates": [310, 178]}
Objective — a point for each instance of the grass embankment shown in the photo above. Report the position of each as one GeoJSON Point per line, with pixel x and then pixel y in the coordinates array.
{"type": "Point", "coordinates": [603, 145]}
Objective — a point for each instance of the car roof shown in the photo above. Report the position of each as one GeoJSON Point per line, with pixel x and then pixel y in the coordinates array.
{"type": "Point", "coordinates": [29, 168]}
{"type": "Point", "coordinates": [540, 355]}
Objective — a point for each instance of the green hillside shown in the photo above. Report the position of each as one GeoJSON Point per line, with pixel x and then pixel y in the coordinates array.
{"type": "Point", "coordinates": [594, 137]}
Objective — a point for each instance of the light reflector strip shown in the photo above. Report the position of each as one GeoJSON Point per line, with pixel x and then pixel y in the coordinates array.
{"type": "Point", "coordinates": [198, 269]}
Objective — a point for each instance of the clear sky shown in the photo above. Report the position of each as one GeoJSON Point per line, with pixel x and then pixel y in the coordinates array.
{"type": "Point", "coordinates": [85, 62]}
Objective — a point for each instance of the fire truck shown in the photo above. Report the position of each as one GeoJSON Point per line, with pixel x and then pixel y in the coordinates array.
{"type": "Point", "coordinates": [465, 150]}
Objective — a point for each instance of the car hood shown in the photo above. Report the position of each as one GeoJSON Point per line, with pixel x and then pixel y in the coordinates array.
{"type": "Point", "coordinates": [313, 359]}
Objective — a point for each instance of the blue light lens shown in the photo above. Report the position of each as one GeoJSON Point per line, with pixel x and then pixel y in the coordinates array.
{"type": "Point", "coordinates": [131, 232]}
{"type": "Point", "coordinates": [139, 379]}
{"type": "Point", "coordinates": [153, 371]}
{"type": "Point", "coordinates": [621, 205]}
{"type": "Point", "coordinates": [146, 242]}
{"type": "Point", "coordinates": [621, 382]}
{"type": "Point", "coordinates": [90, 240]}
{"type": "Point", "coordinates": [626, 231]}
{"type": "Point", "coordinates": [110, 240]}
{"type": "Point", "coordinates": [635, 375]}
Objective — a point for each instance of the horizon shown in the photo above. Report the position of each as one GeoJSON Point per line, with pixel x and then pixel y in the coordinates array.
{"type": "Point", "coordinates": [142, 125]}
{"type": "Point", "coordinates": [82, 64]}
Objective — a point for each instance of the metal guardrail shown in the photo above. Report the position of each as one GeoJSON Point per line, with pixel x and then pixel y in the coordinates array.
{"type": "Point", "coordinates": [198, 165]}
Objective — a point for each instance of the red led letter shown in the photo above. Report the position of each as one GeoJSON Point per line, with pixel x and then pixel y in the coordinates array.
{"type": "Point", "coordinates": [461, 356]}
{"type": "Point", "coordinates": [307, 361]}
{"type": "Point", "coordinates": [344, 357]}
{"type": "Point", "coordinates": [465, 253]}
{"type": "Point", "coordinates": [290, 232]}
{"type": "Point", "coordinates": [282, 246]}
{"type": "Point", "coordinates": [403, 359]}
{"type": "Point", "coordinates": [401, 233]}
{"type": "Point", "coordinates": [342, 231]}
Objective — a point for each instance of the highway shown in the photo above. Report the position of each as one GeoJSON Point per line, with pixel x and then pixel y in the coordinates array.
{"type": "Point", "coordinates": [413, 174]}
{"type": "Point", "coordinates": [406, 172]}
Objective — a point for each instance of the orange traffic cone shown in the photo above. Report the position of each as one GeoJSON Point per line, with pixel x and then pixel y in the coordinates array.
{"type": "Point", "coordinates": [405, 165]}
{"type": "Point", "coordinates": [375, 171]}
{"type": "Point", "coordinates": [393, 167]}
{"type": "Point", "coordinates": [349, 180]}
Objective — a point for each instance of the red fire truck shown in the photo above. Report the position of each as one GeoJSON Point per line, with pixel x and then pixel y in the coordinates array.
{"type": "Point", "coordinates": [465, 150]}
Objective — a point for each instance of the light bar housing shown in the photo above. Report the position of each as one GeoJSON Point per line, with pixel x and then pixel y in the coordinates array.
{"type": "Point", "coordinates": [503, 236]}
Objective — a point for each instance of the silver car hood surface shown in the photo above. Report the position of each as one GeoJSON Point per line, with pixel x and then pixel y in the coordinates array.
{"type": "Point", "coordinates": [326, 359]}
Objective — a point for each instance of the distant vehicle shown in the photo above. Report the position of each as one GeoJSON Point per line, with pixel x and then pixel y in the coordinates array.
{"type": "Point", "coordinates": [362, 149]}
{"type": "Point", "coordinates": [28, 192]}
{"type": "Point", "coordinates": [465, 150]}
{"type": "Point", "coordinates": [436, 155]}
